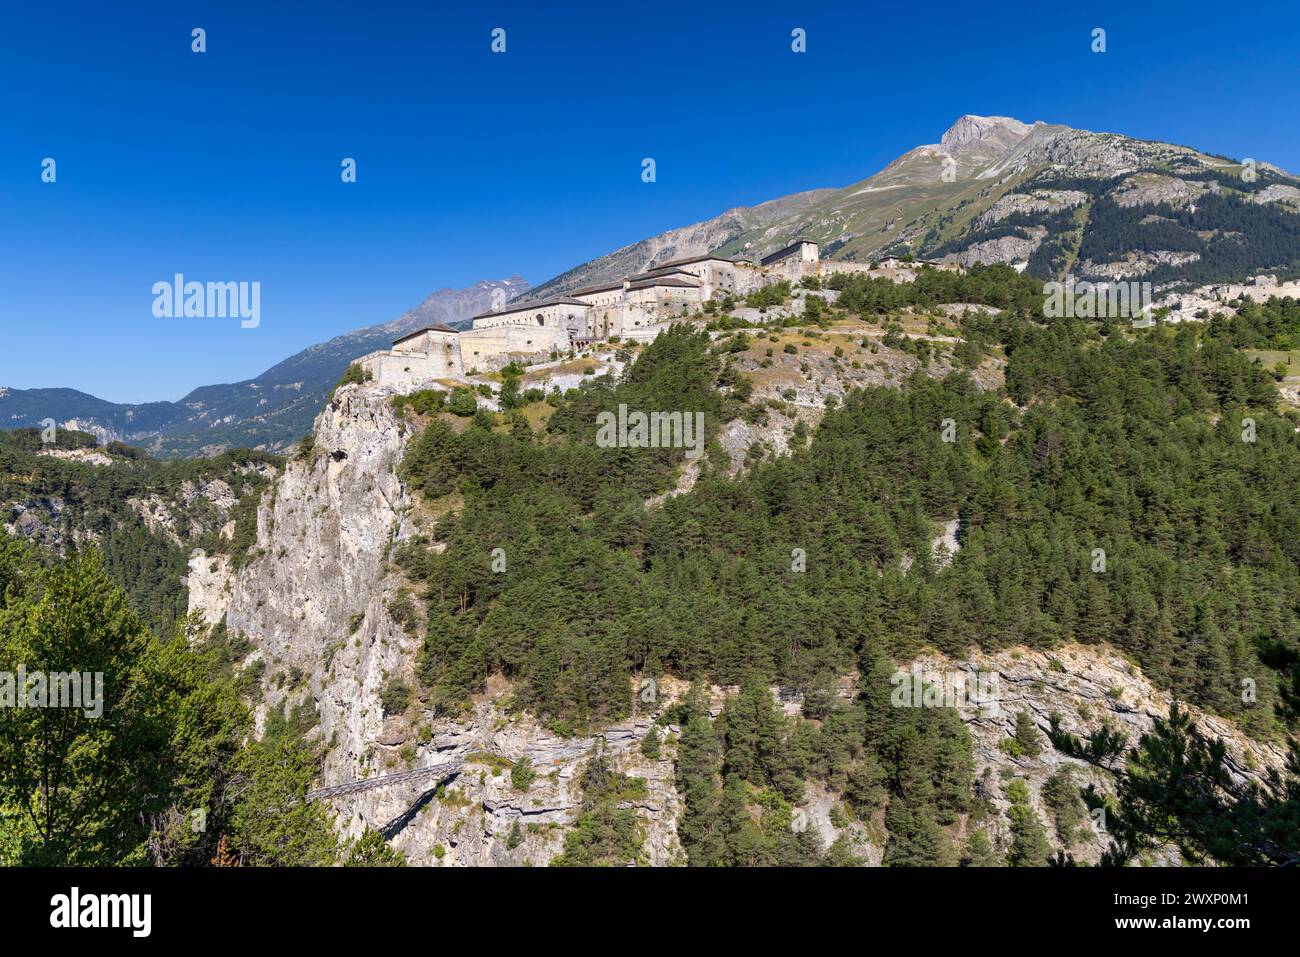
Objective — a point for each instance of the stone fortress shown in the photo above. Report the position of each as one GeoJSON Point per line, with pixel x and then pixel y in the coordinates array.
{"type": "Point", "coordinates": [1220, 297]}
{"type": "Point", "coordinates": [636, 308]}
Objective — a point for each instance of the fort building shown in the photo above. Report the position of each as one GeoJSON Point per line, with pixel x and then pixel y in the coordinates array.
{"type": "Point", "coordinates": [636, 307]}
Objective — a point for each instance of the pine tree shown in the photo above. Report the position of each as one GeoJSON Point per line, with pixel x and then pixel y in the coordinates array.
{"type": "Point", "coordinates": [1176, 789]}
{"type": "Point", "coordinates": [979, 851]}
{"type": "Point", "coordinates": [915, 840]}
{"type": "Point", "coordinates": [1029, 847]}
{"type": "Point", "coordinates": [371, 850]}
{"type": "Point", "coordinates": [1027, 737]}
{"type": "Point", "coordinates": [650, 743]}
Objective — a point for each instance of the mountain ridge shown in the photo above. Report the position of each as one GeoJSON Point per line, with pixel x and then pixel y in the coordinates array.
{"type": "Point", "coordinates": [911, 206]}
{"type": "Point", "coordinates": [269, 411]}
{"type": "Point", "coordinates": [1043, 197]}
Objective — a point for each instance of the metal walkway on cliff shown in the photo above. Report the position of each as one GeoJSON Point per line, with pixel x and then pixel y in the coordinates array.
{"type": "Point", "coordinates": [437, 772]}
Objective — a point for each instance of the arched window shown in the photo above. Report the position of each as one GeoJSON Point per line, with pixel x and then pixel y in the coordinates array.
{"type": "Point", "coordinates": [541, 320]}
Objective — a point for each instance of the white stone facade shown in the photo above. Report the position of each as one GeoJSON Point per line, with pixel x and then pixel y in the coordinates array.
{"type": "Point", "coordinates": [637, 307]}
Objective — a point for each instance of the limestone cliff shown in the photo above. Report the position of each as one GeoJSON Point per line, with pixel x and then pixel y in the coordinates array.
{"type": "Point", "coordinates": [318, 598]}
{"type": "Point", "coordinates": [315, 603]}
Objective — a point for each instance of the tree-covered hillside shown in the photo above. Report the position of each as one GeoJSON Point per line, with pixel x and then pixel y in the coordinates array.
{"type": "Point", "coordinates": [144, 515]}
{"type": "Point", "coordinates": [168, 772]}
{"type": "Point", "coordinates": [1123, 487]}
{"type": "Point", "coordinates": [1129, 445]}
{"type": "Point", "coordinates": [1127, 487]}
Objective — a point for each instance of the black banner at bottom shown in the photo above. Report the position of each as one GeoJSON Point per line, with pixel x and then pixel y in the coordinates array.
{"type": "Point", "coordinates": [334, 906]}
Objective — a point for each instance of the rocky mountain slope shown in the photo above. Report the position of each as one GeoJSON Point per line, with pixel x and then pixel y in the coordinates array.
{"type": "Point", "coordinates": [1042, 196]}
{"type": "Point", "coordinates": [323, 608]}
{"type": "Point", "coordinates": [675, 244]}
{"type": "Point", "coordinates": [145, 515]}
{"type": "Point", "coordinates": [270, 411]}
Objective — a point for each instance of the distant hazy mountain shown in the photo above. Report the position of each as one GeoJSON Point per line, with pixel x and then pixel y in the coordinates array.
{"type": "Point", "coordinates": [1044, 197]}
{"type": "Point", "coordinates": [270, 411]}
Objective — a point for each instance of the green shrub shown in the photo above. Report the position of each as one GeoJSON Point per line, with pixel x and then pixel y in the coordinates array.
{"type": "Point", "coordinates": [395, 696]}
{"type": "Point", "coordinates": [650, 743]}
{"type": "Point", "coordinates": [522, 774]}
{"type": "Point", "coordinates": [462, 402]}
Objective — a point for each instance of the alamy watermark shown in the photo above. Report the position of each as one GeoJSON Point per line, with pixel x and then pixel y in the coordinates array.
{"type": "Point", "coordinates": [214, 300]}
{"type": "Point", "coordinates": [57, 689]}
{"type": "Point", "coordinates": [75, 909]}
{"type": "Point", "coordinates": [654, 430]}
{"type": "Point", "coordinates": [945, 689]}
{"type": "Point", "coordinates": [1101, 300]}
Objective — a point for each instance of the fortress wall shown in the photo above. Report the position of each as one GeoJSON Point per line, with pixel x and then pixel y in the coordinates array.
{"type": "Point", "coordinates": [646, 333]}
{"type": "Point", "coordinates": [430, 340]}
{"type": "Point", "coordinates": [488, 349]}
{"type": "Point", "coordinates": [556, 315]}
{"type": "Point", "coordinates": [748, 278]}
{"type": "Point", "coordinates": [407, 371]}
{"type": "Point", "coordinates": [826, 268]}
{"type": "Point", "coordinates": [1258, 292]}
{"type": "Point", "coordinates": [646, 307]}
{"type": "Point", "coordinates": [792, 268]}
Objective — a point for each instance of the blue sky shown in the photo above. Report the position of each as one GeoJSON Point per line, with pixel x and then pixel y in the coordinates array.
{"type": "Point", "coordinates": [225, 165]}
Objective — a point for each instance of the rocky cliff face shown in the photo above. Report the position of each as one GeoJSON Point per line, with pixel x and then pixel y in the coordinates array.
{"type": "Point", "coordinates": [317, 603]}
{"type": "Point", "coordinates": [481, 818]}
{"type": "Point", "coordinates": [313, 600]}
{"type": "Point", "coordinates": [1088, 687]}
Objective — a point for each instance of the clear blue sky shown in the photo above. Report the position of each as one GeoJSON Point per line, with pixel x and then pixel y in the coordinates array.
{"type": "Point", "coordinates": [225, 165]}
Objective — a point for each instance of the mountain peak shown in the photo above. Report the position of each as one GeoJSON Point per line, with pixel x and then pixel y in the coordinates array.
{"type": "Point", "coordinates": [1000, 133]}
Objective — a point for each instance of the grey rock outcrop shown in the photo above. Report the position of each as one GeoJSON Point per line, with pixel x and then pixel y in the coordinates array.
{"type": "Point", "coordinates": [315, 601]}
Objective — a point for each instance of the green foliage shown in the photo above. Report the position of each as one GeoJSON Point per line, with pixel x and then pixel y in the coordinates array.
{"type": "Point", "coordinates": [290, 723]}
{"type": "Point", "coordinates": [353, 375]}
{"type": "Point", "coordinates": [515, 837]}
{"type": "Point", "coordinates": [980, 851]}
{"type": "Point", "coordinates": [97, 500]}
{"type": "Point", "coordinates": [463, 402]}
{"type": "Point", "coordinates": [166, 769]}
{"type": "Point", "coordinates": [510, 396]}
{"type": "Point", "coordinates": [371, 850]}
{"type": "Point", "coordinates": [272, 823]}
{"type": "Point", "coordinates": [522, 774]}
{"type": "Point", "coordinates": [1029, 847]}
{"type": "Point", "coordinates": [741, 778]}
{"type": "Point", "coordinates": [604, 835]}
{"type": "Point", "coordinates": [999, 286]}
{"type": "Point", "coordinates": [395, 696]}
{"type": "Point", "coordinates": [1063, 800]}
{"type": "Point", "coordinates": [421, 402]}
{"type": "Point", "coordinates": [1177, 790]}
{"type": "Point", "coordinates": [926, 770]}
{"type": "Point", "coordinates": [650, 743]}
{"type": "Point", "coordinates": [773, 294]}
{"type": "Point", "coordinates": [1025, 741]}
{"type": "Point", "coordinates": [1274, 324]}
{"type": "Point", "coordinates": [81, 779]}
